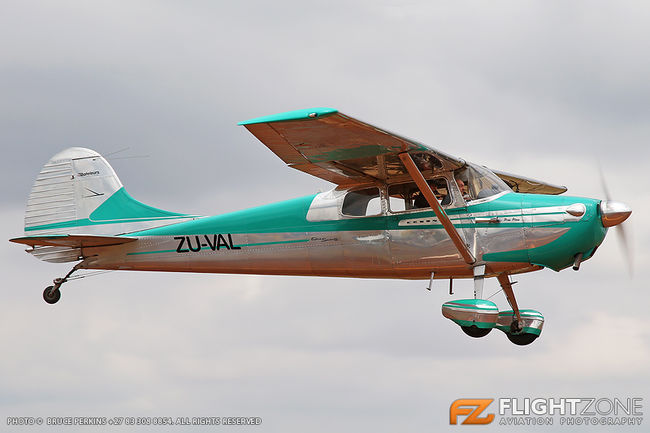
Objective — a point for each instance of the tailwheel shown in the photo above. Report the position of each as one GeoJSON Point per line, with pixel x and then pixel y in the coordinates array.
{"type": "Point", "coordinates": [523, 339]}
{"type": "Point", "coordinates": [475, 331]}
{"type": "Point", "coordinates": [51, 295]}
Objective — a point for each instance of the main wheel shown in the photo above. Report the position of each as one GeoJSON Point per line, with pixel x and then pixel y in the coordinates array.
{"type": "Point", "coordinates": [514, 327]}
{"type": "Point", "coordinates": [522, 339]}
{"type": "Point", "coordinates": [475, 331]}
{"type": "Point", "coordinates": [51, 295]}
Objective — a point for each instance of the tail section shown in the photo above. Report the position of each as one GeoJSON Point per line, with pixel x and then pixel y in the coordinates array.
{"type": "Point", "coordinates": [78, 192]}
{"type": "Point", "coordinates": [68, 189]}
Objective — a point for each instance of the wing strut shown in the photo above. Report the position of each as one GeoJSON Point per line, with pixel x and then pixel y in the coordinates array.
{"type": "Point", "coordinates": [437, 209]}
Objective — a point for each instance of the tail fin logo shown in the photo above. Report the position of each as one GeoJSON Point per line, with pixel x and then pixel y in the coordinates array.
{"type": "Point", "coordinates": [88, 173]}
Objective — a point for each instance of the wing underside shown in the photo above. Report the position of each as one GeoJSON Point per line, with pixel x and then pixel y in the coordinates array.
{"type": "Point", "coordinates": [349, 152]}
{"type": "Point", "coordinates": [341, 149]}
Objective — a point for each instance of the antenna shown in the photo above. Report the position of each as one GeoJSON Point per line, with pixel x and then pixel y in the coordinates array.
{"type": "Point", "coordinates": [107, 156]}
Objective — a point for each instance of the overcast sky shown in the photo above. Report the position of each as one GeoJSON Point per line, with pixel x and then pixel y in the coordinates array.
{"type": "Point", "coordinates": [543, 89]}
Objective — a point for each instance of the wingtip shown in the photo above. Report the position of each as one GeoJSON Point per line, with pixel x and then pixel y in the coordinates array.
{"type": "Point", "coordinates": [304, 114]}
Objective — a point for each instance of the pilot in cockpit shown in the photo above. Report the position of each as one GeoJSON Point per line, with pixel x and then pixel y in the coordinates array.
{"type": "Point", "coordinates": [419, 201]}
{"type": "Point", "coordinates": [463, 188]}
{"type": "Point", "coordinates": [439, 191]}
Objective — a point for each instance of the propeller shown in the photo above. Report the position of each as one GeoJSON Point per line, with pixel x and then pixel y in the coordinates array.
{"type": "Point", "coordinates": [613, 214]}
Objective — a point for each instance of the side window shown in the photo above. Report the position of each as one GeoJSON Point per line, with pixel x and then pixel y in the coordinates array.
{"type": "Point", "coordinates": [396, 202]}
{"type": "Point", "coordinates": [407, 196]}
{"type": "Point", "coordinates": [363, 202]}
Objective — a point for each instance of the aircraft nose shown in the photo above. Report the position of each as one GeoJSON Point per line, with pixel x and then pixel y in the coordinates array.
{"type": "Point", "coordinates": [613, 212]}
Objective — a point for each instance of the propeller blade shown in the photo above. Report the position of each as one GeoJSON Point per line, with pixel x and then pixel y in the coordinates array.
{"type": "Point", "coordinates": [603, 184]}
{"type": "Point", "coordinates": [620, 228]}
{"type": "Point", "coordinates": [627, 248]}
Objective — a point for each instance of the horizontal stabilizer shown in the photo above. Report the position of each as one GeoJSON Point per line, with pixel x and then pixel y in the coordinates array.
{"type": "Point", "coordinates": [72, 241]}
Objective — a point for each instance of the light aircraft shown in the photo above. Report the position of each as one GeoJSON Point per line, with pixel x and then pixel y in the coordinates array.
{"type": "Point", "coordinates": [400, 209]}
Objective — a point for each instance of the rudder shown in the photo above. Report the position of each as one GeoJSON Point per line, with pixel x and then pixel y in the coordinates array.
{"type": "Point", "coordinates": [70, 186]}
{"type": "Point", "coordinates": [78, 192]}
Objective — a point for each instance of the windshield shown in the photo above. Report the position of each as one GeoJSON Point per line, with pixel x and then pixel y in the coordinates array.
{"type": "Point", "coordinates": [477, 182]}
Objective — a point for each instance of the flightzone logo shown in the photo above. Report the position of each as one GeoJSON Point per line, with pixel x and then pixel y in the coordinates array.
{"type": "Point", "coordinates": [471, 409]}
{"type": "Point", "coordinates": [562, 411]}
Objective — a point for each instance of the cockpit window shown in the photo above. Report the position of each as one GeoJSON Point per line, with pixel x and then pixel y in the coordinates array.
{"type": "Point", "coordinates": [363, 202]}
{"type": "Point", "coordinates": [407, 196]}
{"type": "Point", "coordinates": [476, 182]}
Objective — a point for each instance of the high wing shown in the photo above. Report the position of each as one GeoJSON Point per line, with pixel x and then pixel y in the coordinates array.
{"type": "Point", "coordinates": [348, 152]}
{"type": "Point", "coordinates": [339, 148]}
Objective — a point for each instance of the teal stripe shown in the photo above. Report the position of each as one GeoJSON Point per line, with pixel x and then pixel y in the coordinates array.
{"type": "Point", "coordinates": [525, 330]}
{"type": "Point", "coordinates": [477, 308]}
{"type": "Point", "coordinates": [64, 224]}
{"type": "Point", "coordinates": [240, 245]}
{"type": "Point", "coordinates": [481, 325]}
{"type": "Point", "coordinates": [309, 113]}
{"type": "Point", "coordinates": [150, 252]}
{"type": "Point", "coordinates": [290, 216]}
{"type": "Point", "coordinates": [315, 227]}
{"type": "Point", "coordinates": [88, 222]}
{"type": "Point", "coordinates": [272, 243]}
{"type": "Point", "coordinates": [120, 207]}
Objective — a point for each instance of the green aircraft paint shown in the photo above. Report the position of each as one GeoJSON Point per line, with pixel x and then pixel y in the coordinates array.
{"type": "Point", "coordinates": [306, 114]}
{"type": "Point", "coordinates": [290, 217]}
{"type": "Point", "coordinates": [118, 208]}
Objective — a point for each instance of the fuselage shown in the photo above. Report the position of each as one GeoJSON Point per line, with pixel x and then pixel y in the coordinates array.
{"type": "Point", "coordinates": [314, 236]}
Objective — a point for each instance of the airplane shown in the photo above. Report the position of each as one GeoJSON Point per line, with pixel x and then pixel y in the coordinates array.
{"type": "Point", "coordinates": [400, 210]}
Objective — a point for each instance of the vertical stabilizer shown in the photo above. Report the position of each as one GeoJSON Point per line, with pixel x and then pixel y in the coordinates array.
{"type": "Point", "coordinates": [78, 192]}
{"type": "Point", "coordinates": [69, 187]}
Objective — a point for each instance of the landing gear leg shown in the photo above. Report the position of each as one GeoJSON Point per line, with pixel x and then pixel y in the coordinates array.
{"type": "Point", "coordinates": [52, 294]}
{"type": "Point", "coordinates": [506, 285]}
{"type": "Point", "coordinates": [479, 278]}
{"type": "Point", "coordinates": [519, 332]}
